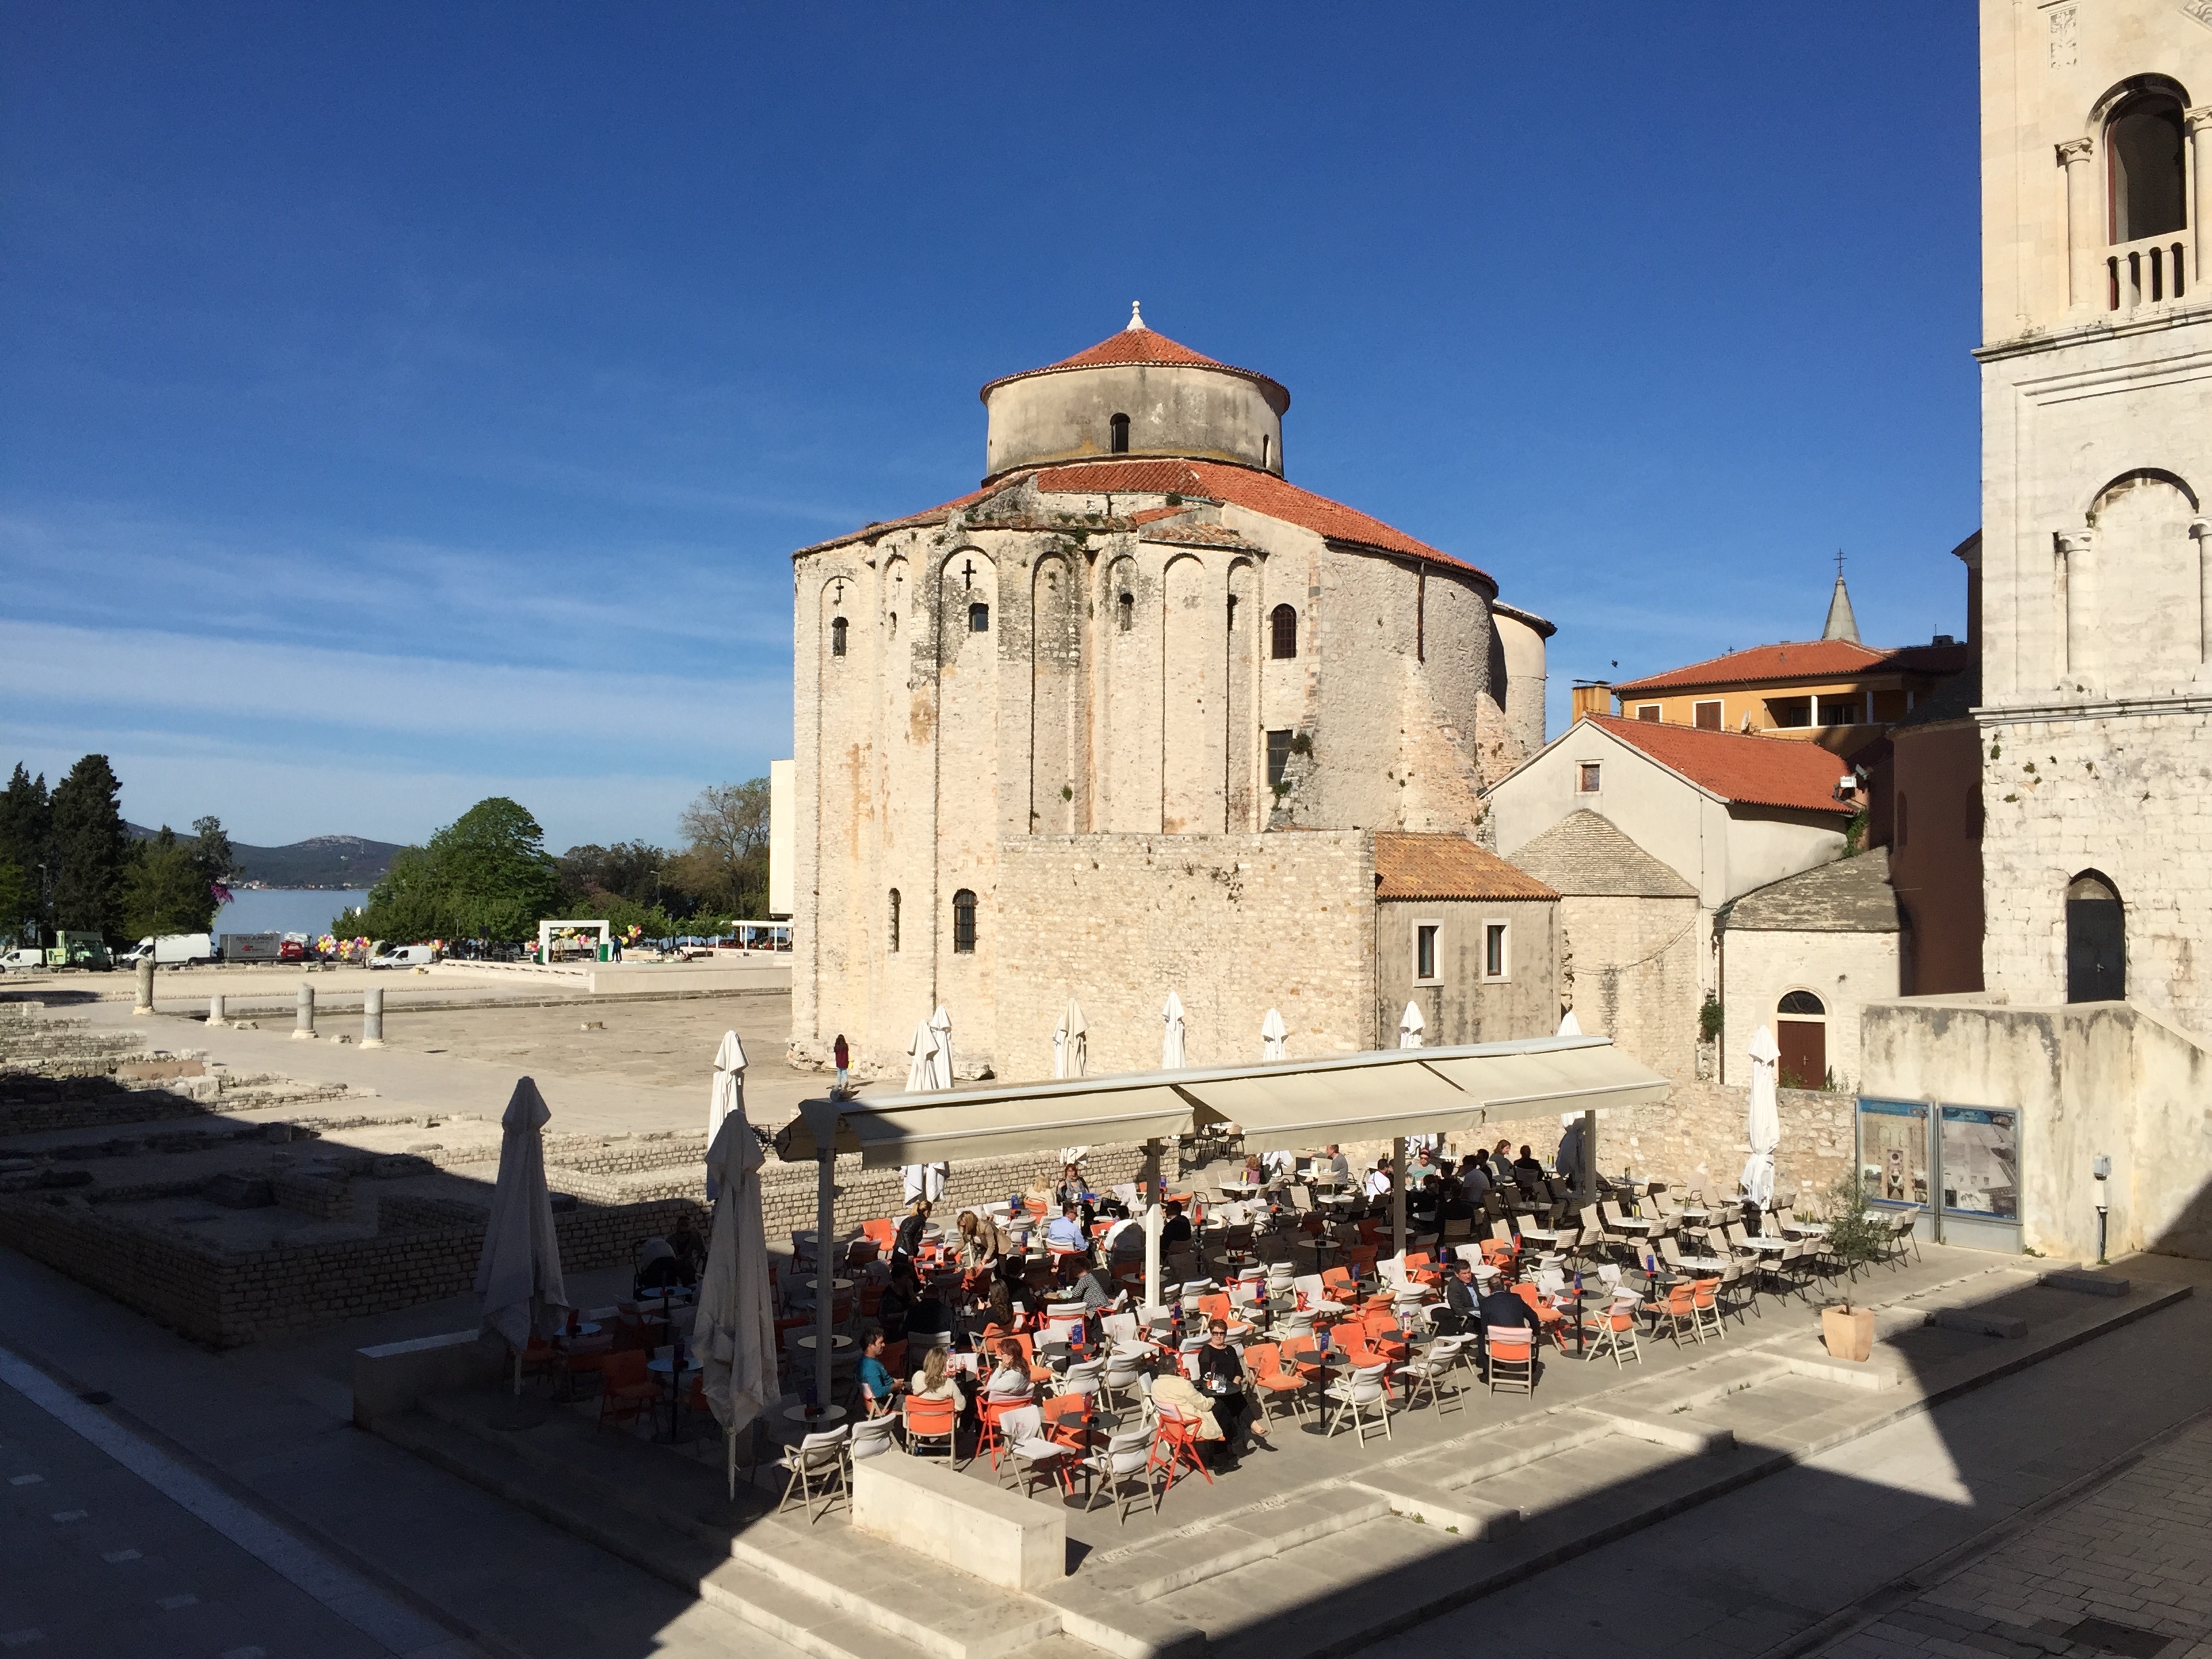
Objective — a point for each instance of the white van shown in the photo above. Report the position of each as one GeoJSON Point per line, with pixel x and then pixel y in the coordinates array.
{"type": "Point", "coordinates": [405, 956]}
{"type": "Point", "coordinates": [30, 956]}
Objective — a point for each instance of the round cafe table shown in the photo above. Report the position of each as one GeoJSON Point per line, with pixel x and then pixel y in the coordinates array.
{"type": "Point", "coordinates": [828, 1418]}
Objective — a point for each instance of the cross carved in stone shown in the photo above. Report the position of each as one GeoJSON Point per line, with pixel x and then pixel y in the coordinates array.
{"type": "Point", "coordinates": [967, 573]}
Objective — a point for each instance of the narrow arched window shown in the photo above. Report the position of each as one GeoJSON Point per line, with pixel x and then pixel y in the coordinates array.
{"type": "Point", "coordinates": [978, 618]}
{"type": "Point", "coordinates": [895, 919]}
{"type": "Point", "coordinates": [1126, 610]}
{"type": "Point", "coordinates": [837, 636]}
{"type": "Point", "coordinates": [2096, 940]}
{"type": "Point", "coordinates": [2144, 150]}
{"type": "Point", "coordinates": [1267, 452]}
{"type": "Point", "coordinates": [1283, 632]}
{"type": "Point", "coordinates": [1118, 435]}
{"type": "Point", "coordinates": [963, 921]}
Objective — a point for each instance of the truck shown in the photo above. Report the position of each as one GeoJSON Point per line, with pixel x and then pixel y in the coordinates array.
{"type": "Point", "coordinates": [78, 950]}
{"type": "Point", "coordinates": [170, 951]}
{"type": "Point", "coordinates": [252, 947]}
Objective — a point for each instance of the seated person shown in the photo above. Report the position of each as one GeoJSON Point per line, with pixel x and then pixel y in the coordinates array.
{"type": "Point", "coordinates": [1423, 1202]}
{"type": "Point", "coordinates": [1499, 1306]}
{"type": "Point", "coordinates": [1010, 1378]}
{"type": "Point", "coordinates": [1173, 1391]}
{"type": "Point", "coordinates": [876, 1385]}
{"type": "Point", "coordinates": [1528, 1172]}
{"type": "Point", "coordinates": [1175, 1229]}
{"type": "Point", "coordinates": [1474, 1177]}
{"type": "Point", "coordinates": [1097, 1292]}
{"type": "Point", "coordinates": [1378, 1180]}
{"type": "Point", "coordinates": [1125, 1237]}
{"type": "Point", "coordinates": [1455, 1204]}
{"type": "Point", "coordinates": [1073, 1193]}
{"type": "Point", "coordinates": [1064, 1232]}
{"type": "Point", "coordinates": [690, 1250]}
{"type": "Point", "coordinates": [935, 1380]}
{"type": "Point", "coordinates": [659, 1270]}
{"type": "Point", "coordinates": [1221, 1379]}
{"type": "Point", "coordinates": [1461, 1312]}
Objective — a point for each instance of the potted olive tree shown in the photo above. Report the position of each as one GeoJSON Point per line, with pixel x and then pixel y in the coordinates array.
{"type": "Point", "coordinates": [1856, 1238]}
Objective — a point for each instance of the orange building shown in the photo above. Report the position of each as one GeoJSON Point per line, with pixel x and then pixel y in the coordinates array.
{"type": "Point", "coordinates": [1835, 691]}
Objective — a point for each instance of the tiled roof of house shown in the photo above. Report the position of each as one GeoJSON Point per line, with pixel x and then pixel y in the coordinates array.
{"type": "Point", "coordinates": [1806, 659]}
{"type": "Point", "coordinates": [1786, 772]}
{"type": "Point", "coordinates": [1851, 895]}
{"type": "Point", "coordinates": [1137, 344]}
{"type": "Point", "coordinates": [1585, 855]}
{"type": "Point", "coordinates": [1409, 865]}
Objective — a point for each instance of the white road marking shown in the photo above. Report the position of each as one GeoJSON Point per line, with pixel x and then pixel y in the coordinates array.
{"type": "Point", "coordinates": [397, 1628]}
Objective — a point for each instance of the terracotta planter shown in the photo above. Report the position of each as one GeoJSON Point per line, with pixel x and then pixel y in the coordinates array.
{"type": "Point", "coordinates": [1847, 1331]}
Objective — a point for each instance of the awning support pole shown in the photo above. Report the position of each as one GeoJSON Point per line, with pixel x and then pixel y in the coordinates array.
{"type": "Point", "coordinates": [825, 1283]}
{"type": "Point", "coordinates": [1586, 1178]}
{"type": "Point", "coordinates": [1398, 1195]}
{"type": "Point", "coordinates": [1152, 1196]}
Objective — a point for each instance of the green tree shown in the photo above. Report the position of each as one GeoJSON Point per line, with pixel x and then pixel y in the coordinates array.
{"type": "Point", "coordinates": [18, 903]}
{"type": "Point", "coordinates": [211, 849]}
{"type": "Point", "coordinates": [89, 849]}
{"type": "Point", "coordinates": [486, 875]}
{"type": "Point", "coordinates": [724, 870]}
{"type": "Point", "coordinates": [26, 828]}
{"type": "Point", "coordinates": [167, 889]}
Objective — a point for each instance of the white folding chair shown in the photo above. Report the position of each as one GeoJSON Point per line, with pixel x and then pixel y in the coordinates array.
{"type": "Point", "coordinates": [816, 1465]}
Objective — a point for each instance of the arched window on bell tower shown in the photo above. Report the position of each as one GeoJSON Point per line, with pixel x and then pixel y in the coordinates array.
{"type": "Point", "coordinates": [2146, 169]}
{"type": "Point", "coordinates": [1118, 435]}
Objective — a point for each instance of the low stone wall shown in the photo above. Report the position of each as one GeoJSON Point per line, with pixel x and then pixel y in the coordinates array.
{"type": "Point", "coordinates": [788, 1190]}
{"type": "Point", "coordinates": [596, 1155]}
{"type": "Point", "coordinates": [227, 1300]}
{"type": "Point", "coordinates": [1695, 1138]}
{"type": "Point", "coordinates": [326, 1198]}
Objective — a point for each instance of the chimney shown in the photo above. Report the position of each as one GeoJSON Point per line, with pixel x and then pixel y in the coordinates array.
{"type": "Point", "coordinates": [1593, 697]}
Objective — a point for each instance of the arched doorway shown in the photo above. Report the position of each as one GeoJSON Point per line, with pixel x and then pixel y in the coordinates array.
{"type": "Point", "coordinates": [1801, 1031]}
{"type": "Point", "coordinates": [2096, 940]}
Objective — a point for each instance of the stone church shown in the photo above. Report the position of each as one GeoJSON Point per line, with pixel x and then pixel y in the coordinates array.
{"type": "Point", "coordinates": [1127, 718]}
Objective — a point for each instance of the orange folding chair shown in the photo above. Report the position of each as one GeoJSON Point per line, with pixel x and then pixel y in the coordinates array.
{"type": "Point", "coordinates": [1179, 1436]}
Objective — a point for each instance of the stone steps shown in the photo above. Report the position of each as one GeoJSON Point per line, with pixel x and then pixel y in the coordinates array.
{"type": "Point", "coordinates": [819, 1586]}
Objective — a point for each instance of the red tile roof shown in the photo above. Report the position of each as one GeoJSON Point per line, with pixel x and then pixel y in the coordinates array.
{"type": "Point", "coordinates": [1808, 660]}
{"type": "Point", "coordinates": [1249, 488]}
{"type": "Point", "coordinates": [1787, 772]}
{"type": "Point", "coordinates": [1144, 345]}
{"type": "Point", "coordinates": [1209, 481]}
{"type": "Point", "coordinates": [1412, 866]}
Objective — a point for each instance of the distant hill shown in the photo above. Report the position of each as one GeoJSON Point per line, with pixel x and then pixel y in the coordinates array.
{"type": "Point", "coordinates": [337, 862]}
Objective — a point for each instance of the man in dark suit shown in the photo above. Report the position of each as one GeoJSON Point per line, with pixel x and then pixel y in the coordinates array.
{"type": "Point", "coordinates": [1461, 1315]}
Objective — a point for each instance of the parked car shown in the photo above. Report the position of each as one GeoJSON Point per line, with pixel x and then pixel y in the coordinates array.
{"type": "Point", "coordinates": [405, 956]}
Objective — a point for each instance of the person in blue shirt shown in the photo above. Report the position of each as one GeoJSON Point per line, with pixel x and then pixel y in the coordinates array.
{"type": "Point", "coordinates": [878, 1387]}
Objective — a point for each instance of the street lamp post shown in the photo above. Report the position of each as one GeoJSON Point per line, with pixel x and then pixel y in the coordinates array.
{"type": "Point", "coordinates": [2101, 1167]}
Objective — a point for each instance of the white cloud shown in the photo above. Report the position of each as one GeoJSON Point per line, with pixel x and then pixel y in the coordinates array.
{"type": "Point", "coordinates": [144, 675]}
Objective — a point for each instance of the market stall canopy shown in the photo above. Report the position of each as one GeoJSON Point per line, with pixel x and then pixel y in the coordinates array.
{"type": "Point", "coordinates": [1284, 1104]}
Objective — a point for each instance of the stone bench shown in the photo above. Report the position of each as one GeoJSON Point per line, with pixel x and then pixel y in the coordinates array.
{"type": "Point", "coordinates": [1000, 1538]}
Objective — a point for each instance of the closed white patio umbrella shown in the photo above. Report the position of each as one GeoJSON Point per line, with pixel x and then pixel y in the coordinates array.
{"type": "Point", "coordinates": [728, 1093]}
{"type": "Point", "coordinates": [1274, 1037]}
{"type": "Point", "coordinates": [1171, 1058]}
{"type": "Point", "coordinates": [735, 1330]}
{"type": "Point", "coordinates": [1070, 1043]}
{"type": "Point", "coordinates": [1410, 1026]}
{"type": "Point", "coordinates": [940, 1060]}
{"type": "Point", "coordinates": [1763, 1119]}
{"type": "Point", "coordinates": [1568, 1025]}
{"type": "Point", "coordinates": [919, 1048]}
{"type": "Point", "coordinates": [519, 1275]}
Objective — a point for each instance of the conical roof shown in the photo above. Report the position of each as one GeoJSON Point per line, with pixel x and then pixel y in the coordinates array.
{"type": "Point", "coordinates": [1138, 342]}
{"type": "Point", "coordinates": [1842, 624]}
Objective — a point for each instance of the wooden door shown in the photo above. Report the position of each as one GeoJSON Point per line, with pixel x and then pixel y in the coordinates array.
{"type": "Point", "coordinates": [1804, 1045]}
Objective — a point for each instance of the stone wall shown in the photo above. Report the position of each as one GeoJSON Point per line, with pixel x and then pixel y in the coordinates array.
{"type": "Point", "coordinates": [1233, 924]}
{"type": "Point", "coordinates": [1632, 969]}
{"type": "Point", "coordinates": [789, 1191]}
{"type": "Point", "coordinates": [226, 1300]}
{"type": "Point", "coordinates": [1460, 1003]}
{"type": "Point", "coordinates": [1845, 971]}
{"type": "Point", "coordinates": [1695, 1138]}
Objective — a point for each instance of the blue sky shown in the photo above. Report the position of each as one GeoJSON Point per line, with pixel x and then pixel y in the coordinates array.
{"type": "Point", "coordinates": [401, 405]}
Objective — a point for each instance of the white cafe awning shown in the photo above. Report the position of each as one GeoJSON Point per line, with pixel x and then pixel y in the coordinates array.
{"type": "Point", "coordinates": [1279, 1105]}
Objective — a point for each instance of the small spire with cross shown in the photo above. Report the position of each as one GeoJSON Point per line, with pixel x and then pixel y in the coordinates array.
{"type": "Point", "coordinates": [1136, 323]}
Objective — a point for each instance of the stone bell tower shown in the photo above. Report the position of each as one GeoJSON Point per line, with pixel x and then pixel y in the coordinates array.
{"type": "Point", "coordinates": [2096, 716]}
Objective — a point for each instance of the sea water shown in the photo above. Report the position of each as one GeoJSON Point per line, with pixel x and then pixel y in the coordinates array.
{"type": "Point", "coordinates": [307, 911]}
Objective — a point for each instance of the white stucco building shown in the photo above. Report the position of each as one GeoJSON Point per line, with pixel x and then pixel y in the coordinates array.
{"type": "Point", "coordinates": [1136, 674]}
